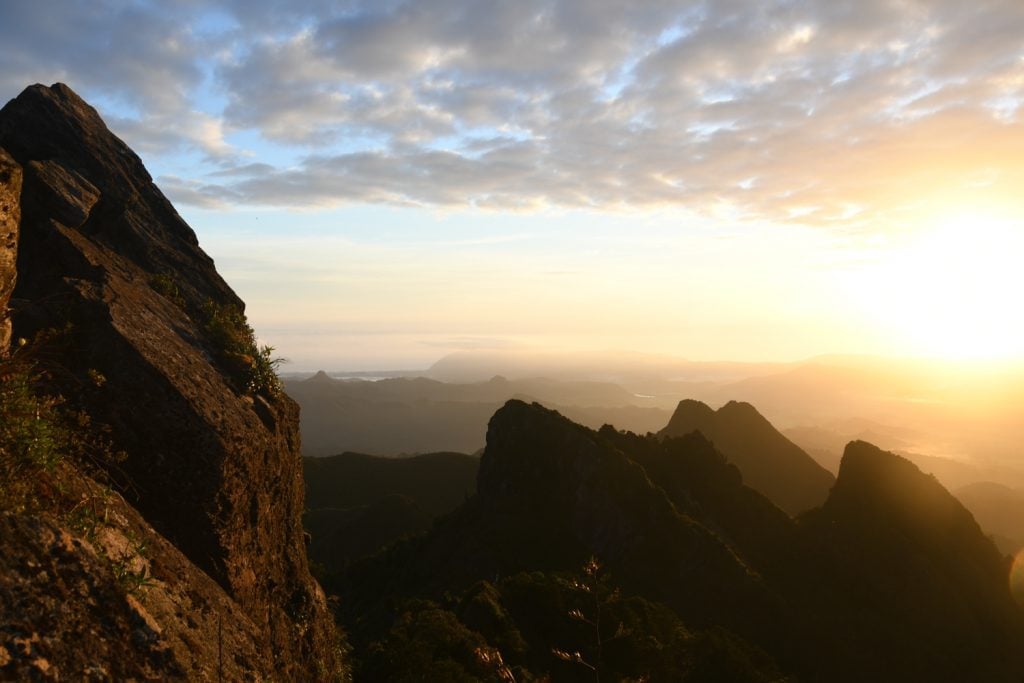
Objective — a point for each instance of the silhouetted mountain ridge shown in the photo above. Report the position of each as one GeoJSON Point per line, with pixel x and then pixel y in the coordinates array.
{"type": "Point", "coordinates": [397, 416]}
{"type": "Point", "coordinates": [826, 596]}
{"type": "Point", "coordinates": [908, 558]}
{"type": "Point", "coordinates": [770, 463]}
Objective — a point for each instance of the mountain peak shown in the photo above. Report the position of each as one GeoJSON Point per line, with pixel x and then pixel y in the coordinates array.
{"type": "Point", "coordinates": [102, 189]}
{"type": "Point", "coordinates": [932, 569]}
{"type": "Point", "coordinates": [863, 461]}
{"type": "Point", "coordinates": [54, 122]}
{"type": "Point", "coordinates": [689, 412]}
{"type": "Point", "coordinates": [742, 408]}
{"type": "Point", "coordinates": [769, 462]}
{"type": "Point", "coordinates": [876, 484]}
{"type": "Point", "coordinates": [210, 459]}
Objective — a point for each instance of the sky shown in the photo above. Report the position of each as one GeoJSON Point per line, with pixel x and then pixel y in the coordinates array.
{"type": "Point", "coordinates": [387, 182]}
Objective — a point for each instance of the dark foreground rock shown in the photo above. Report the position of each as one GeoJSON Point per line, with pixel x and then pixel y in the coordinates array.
{"type": "Point", "coordinates": [10, 217]}
{"type": "Point", "coordinates": [145, 335]}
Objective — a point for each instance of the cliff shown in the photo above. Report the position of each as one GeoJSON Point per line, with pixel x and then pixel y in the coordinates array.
{"type": "Point", "coordinates": [152, 344]}
{"type": "Point", "coordinates": [10, 217]}
{"type": "Point", "coordinates": [915, 581]}
{"type": "Point", "coordinates": [550, 495]}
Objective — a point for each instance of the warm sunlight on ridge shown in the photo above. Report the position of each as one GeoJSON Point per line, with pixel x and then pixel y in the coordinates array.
{"type": "Point", "coordinates": [952, 288]}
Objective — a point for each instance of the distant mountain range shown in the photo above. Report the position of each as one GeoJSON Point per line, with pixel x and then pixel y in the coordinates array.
{"type": "Point", "coordinates": [960, 411]}
{"type": "Point", "coordinates": [963, 422]}
{"type": "Point", "coordinates": [420, 415]}
{"type": "Point", "coordinates": [403, 412]}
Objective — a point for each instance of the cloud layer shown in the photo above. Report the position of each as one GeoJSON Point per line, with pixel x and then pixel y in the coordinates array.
{"type": "Point", "coordinates": [826, 111]}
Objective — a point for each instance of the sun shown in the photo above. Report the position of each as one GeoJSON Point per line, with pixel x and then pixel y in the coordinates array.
{"type": "Point", "coordinates": [951, 289]}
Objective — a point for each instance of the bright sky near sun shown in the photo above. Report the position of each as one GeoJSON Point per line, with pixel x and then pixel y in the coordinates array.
{"type": "Point", "coordinates": [385, 182]}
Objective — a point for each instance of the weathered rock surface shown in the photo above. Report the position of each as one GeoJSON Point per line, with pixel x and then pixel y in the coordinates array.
{"type": "Point", "coordinates": [57, 591]}
{"type": "Point", "coordinates": [125, 604]}
{"type": "Point", "coordinates": [105, 258]}
{"type": "Point", "coordinates": [10, 216]}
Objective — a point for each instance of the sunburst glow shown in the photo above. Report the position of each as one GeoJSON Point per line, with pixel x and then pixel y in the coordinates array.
{"type": "Point", "coordinates": [953, 288]}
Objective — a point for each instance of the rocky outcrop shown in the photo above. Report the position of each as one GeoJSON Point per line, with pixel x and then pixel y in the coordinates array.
{"type": "Point", "coordinates": [580, 492]}
{"type": "Point", "coordinates": [875, 487]}
{"type": "Point", "coordinates": [908, 558]}
{"type": "Point", "coordinates": [770, 463]}
{"type": "Point", "coordinates": [10, 216]}
{"type": "Point", "coordinates": [105, 597]}
{"type": "Point", "coordinates": [135, 315]}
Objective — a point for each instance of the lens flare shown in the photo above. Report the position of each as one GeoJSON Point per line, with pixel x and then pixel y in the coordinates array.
{"type": "Point", "coordinates": [1017, 578]}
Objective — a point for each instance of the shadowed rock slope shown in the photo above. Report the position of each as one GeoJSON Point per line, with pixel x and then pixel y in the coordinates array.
{"type": "Point", "coordinates": [770, 463]}
{"type": "Point", "coordinates": [922, 589]}
{"type": "Point", "coordinates": [10, 217]}
{"type": "Point", "coordinates": [999, 510]}
{"type": "Point", "coordinates": [146, 337]}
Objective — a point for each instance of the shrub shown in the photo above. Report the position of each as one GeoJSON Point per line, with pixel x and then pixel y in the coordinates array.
{"type": "Point", "coordinates": [251, 366]}
{"type": "Point", "coordinates": [38, 430]}
{"type": "Point", "coordinates": [164, 285]}
{"type": "Point", "coordinates": [32, 436]}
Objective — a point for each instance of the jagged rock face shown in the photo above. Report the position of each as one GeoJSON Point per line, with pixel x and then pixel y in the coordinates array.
{"type": "Point", "coordinates": [702, 483]}
{"type": "Point", "coordinates": [539, 464]}
{"type": "Point", "coordinates": [878, 488]}
{"type": "Point", "coordinates": [122, 643]}
{"type": "Point", "coordinates": [134, 218]}
{"type": "Point", "coordinates": [124, 605]}
{"type": "Point", "coordinates": [10, 217]}
{"type": "Point", "coordinates": [216, 471]}
{"type": "Point", "coordinates": [770, 463]}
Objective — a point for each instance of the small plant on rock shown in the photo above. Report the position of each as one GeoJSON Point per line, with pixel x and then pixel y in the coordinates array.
{"type": "Point", "coordinates": [253, 367]}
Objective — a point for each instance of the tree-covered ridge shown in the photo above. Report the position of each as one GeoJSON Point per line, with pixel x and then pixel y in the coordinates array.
{"type": "Point", "coordinates": [702, 573]}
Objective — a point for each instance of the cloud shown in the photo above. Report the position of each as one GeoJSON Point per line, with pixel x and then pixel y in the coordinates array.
{"type": "Point", "coordinates": [141, 64]}
{"type": "Point", "coordinates": [195, 193]}
{"type": "Point", "coordinates": [827, 112]}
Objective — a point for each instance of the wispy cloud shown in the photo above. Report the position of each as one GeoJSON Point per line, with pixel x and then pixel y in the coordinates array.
{"type": "Point", "coordinates": [832, 113]}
